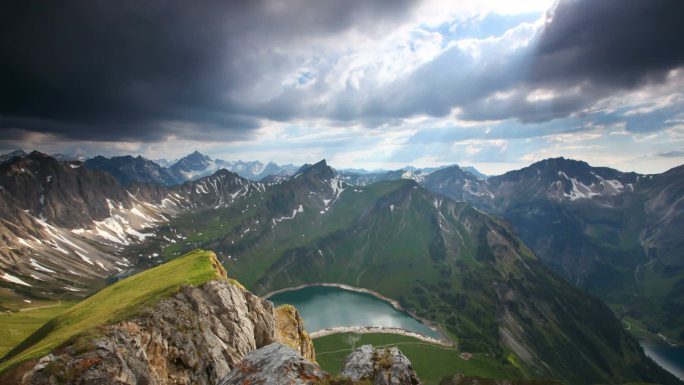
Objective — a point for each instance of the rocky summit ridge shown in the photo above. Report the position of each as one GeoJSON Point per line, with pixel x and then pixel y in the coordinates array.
{"type": "Point", "coordinates": [215, 332]}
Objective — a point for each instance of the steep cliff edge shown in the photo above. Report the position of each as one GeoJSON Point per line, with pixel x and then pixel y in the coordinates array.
{"type": "Point", "coordinates": [195, 337]}
{"type": "Point", "coordinates": [289, 331]}
{"type": "Point", "coordinates": [183, 322]}
{"type": "Point", "coordinates": [186, 322]}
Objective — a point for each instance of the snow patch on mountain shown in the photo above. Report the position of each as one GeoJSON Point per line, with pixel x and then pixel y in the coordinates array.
{"type": "Point", "coordinates": [10, 278]}
{"type": "Point", "coordinates": [300, 209]}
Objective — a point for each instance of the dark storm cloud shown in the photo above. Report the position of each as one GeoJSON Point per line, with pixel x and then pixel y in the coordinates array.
{"type": "Point", "coordinates": [212, 70]}
{"type": "Point", "coordinates": [142, 70]}
{"type": "Point", "coordinates": [617, 43]}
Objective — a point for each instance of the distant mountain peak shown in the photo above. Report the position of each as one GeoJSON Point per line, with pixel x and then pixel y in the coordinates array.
{"type": "Point", "coordinates": [197, 155]}
{"type": "Point", "coordinates": [560, 162]}
{"type": "Point", "coordinates": [11, 156]}
{"type": "Point", "coordinates": [475, 172]}
{"type": "Point", "coordinates": [14, 153]}
{"type": "Point", "coordinates": [303, 168]}
{"type": "Point", "coordinates": [128, 169]}
{"type": "Point", "coordinates": [193, 166]}
{"type": "Point", "coordinates": [320, 169]}
{"type": "Point", "coordinates": [225, 172]}
{"type": "Point", "coordinates": [321, 163]}
{"type": "Point", "coordinates": [313, 167]}
{"type": "Point", "coordinates": [39, 156]}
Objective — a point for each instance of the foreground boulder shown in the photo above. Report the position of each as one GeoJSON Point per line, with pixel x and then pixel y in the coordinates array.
{"type": "Point", "coordinates": [380, 366]}
{"type": "Point", "coordinates": [194, 337]}
{"type": "Point", "coordinates": [275, 364]}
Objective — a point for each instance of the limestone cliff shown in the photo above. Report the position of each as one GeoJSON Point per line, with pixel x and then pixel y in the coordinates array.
{"type": "Point", "coordinates": [289, 331]}
{"type": "Point", "coordinates": [194, 337]}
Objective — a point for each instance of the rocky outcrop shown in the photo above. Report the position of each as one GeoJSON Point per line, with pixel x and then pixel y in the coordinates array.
{"type": "Point", "coordinates": [217, 333]}
{"type": "Point", "coordinates": [275, 364]}
{"type": "Point", "coordinates": [195, 337]}
{"type": "Point", "coordinates": [380, 366]}
{"type": "Point", "coordinates": [289, 331]}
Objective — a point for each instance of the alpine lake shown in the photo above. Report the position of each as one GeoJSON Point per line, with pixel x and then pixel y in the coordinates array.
{"type": "Point", "coordinates": [325, 307]}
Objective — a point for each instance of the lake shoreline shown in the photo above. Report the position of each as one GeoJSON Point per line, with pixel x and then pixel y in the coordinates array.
{"type": "Point", "coordinates": [664, 355]}
{"type": "Point", "coordinates": [444, 340]}
{"type": "Point", "coordinates": [380, 329]}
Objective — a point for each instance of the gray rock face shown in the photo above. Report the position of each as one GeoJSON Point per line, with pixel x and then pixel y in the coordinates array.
{"type": "Point", "coordinates": [381, 366]}
{"type": "Point", "coordinates": [194, 337]}
{"type": "Point", "coordinates": [275, 364]}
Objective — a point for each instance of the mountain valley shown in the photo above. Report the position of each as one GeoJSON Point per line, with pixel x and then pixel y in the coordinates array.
{"type": "Point", "coordinates": [374, 192]}
{"type": "Point", "coordinates": [414, 239]}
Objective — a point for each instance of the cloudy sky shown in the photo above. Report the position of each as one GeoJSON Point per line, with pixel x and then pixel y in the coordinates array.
{"type": "Point", "coordinates": [362, 83]}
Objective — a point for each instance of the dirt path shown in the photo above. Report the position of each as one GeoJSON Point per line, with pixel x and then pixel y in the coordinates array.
{"type": "Point", "coordinates": [42, 307]}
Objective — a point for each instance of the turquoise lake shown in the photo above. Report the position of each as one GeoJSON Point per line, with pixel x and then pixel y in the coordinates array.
{"type": "Point", "coordinates": [669, 357]}
{"type": "Point", "coordinates": [325, 307]}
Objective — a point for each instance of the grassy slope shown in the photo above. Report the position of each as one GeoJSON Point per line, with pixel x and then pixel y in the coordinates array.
{"type": "Point", "coordinates": [17, 325]}
{"type": "Point", "coordinates": [222, 230]}
{"type": "Point", "coordinates": [431, 362]}
{"type": "Point", "coordinates": [118, 301]}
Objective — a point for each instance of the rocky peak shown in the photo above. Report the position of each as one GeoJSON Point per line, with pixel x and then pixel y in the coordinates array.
{"type": "Point", "coordinates": [196, 336]}
{"type": "Point", "coordinates": [63, 193]}
{"type": "Point", "coordinates": [11, 155]}
{"type": "Point", "coordinates": [217, 333]}
{"type": "Point", "coordinates": [319, 170]}
{"type": "Point", "coordinates": [196, 155]}
{"type": "Point", "coordinates": [194, 160]}
{"type": "Point", "coordinates": [451, 173]}
{"type": "Point", "coordinates": [386, 366]}
{"type": "Point", "coordinates": [128, 169]}
{"type": "Point", "coordinates": [222, 172]}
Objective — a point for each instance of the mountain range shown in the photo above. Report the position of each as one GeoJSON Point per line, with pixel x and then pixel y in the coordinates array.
{"type": "Point", "coordinates": [614, 234]}
{"type": "Point", "coordinates": [128, 169]}
{"type": "Point", "coordinates": [422, 238]}
{"type": "Point", "coordinates": [197, 165]}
